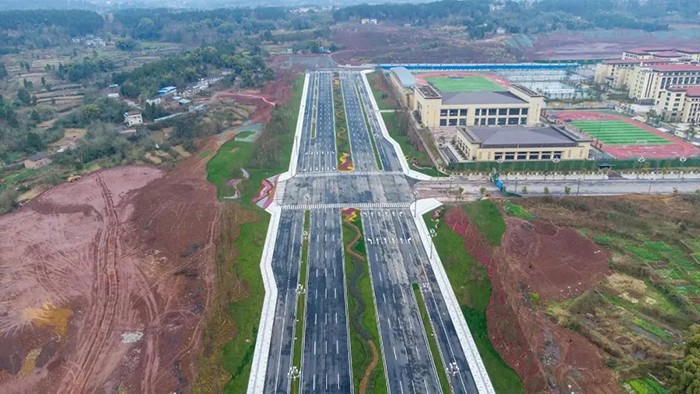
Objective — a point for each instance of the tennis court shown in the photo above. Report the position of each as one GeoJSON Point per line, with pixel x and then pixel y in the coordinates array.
{"type": "Point", "coordinates": [464, 84]}
{"type": "Point", "coordinates": [618, 132]}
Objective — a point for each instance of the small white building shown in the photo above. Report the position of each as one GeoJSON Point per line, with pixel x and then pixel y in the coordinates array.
{"type": "Point", "coordinates": [133, 118]}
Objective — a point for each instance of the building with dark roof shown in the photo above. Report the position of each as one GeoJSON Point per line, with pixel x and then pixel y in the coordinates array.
{"type": "Point", "coordinates": [516, 105]}
{"type": "Point", "coordinates": [37, 160]}
{"type": "Point", "coordinates": [520, 143]}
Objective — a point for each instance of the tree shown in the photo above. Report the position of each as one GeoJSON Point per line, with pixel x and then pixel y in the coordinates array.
{"type": "Point", "coordinates": [24, 97]}
{"type": "Point", "coordinates": [7, 199]}
{"type": "Point", "coordinates": [126, 44]}
{"type": "Point", "coordinates": [43, 82]}
{"type": "Point", "coordinates": [546, 190]}
{"type": "Point", "coordinates": [3, 71]}
{"type": "Point", "coordinates": [567, 190]}
{"type": "Point", "coordinates": [146, 29]}
{"type": "Point", "coordinates": [34, 116]}
{"type": "Point", "coordinates": [482, 190]}
{"type": "Point", "coordinates": [33, 142]}
{"type": "Point", "coordinates": [685, 375]}
{"type": "Point", "coordinates": [27, 84]}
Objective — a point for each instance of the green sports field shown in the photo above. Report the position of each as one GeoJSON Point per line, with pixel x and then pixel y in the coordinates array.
{"type": "Point", "coordinates": [618, 132]}
{"type": "Point", "coordinates": [465, 84]}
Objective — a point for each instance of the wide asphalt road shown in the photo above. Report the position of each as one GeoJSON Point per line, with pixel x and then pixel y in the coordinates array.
{"type": "Point", "coordinates": [326, 365]}
{"type": "Point", "coordinates": [285, 265]}
{"type": "Point", "coordinates": [317, 147]}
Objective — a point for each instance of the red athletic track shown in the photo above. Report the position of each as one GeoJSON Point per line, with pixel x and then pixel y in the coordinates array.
{"type": "Point", "coordinates": [675, 149]}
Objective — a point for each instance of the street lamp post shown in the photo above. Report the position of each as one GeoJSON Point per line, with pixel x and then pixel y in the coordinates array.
{"type": "Point", "coordinates": [682, 160]}
{"type": "Point", "coordinates": [578, 185]}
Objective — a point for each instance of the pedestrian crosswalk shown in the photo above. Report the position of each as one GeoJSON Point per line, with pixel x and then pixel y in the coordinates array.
{"type": "Point", "coordinates": [389, 205]}
{"type": "Point", "coordinates": [315, 174]}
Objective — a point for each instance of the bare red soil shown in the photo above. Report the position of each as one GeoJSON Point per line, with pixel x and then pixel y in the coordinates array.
{"type": "Point", "coordinates": [386, 43]}
{"type": "Point", "coordinates": [276, 92]}
{"type": "Point", "coordinates": [105, 281]}
{"type": "Point", "coordinates": [600, 44]}
{"type": "Point", "coordinates": [676, 148]}
{"type": "Point", "coordinates": [556, 264]}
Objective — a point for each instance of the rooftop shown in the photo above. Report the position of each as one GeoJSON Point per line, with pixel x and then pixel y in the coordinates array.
{"type": "Point", "coordinates": [668, 54]}
{"type": "Point", "coordinates": [690, 91]}
{"type": "Point", "coordinates": [428, 92]}
{"type": "Point", "coordinates": [461, 98]}
{"type": "Point", "coordinates": [38, 156]}
{"type": "Point", "coordinates": [520, 136]}
{"type": "Point", "coordinates": [675, 67]}
{"type": "Point", "coordinates": [405, 77]}
{"type": "Point", "coordinates": [133, 113]}
{"type": "Point", "coordinates": [637, 61]}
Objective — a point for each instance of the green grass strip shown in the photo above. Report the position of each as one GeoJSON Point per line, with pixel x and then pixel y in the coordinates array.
{"type": "Point", "coordinates": [314, 109]}
{"type": "Point", "coordinates": [432, 341]}
{"type": "Point", "coordinates": [377, 158]}
{"type": "Point", "coordinates": [297, 359]}
{"type": "Point", "coordinates": [379, 94]}
{"type": "Point", "coordinates": [488, 219]}
{"type": "Point", "coordinates": [473, 289]}
{"type": "Point", "coordinates": [362, 311]}
{"type": "Point", "coordinates": [342, 138]}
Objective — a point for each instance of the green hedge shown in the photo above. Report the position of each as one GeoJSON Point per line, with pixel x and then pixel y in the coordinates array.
{"type": "Point", "coordinates": [574, 165]}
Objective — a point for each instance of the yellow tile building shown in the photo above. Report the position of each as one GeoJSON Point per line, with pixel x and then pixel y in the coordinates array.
{"type": "Point", "coordinates": [515, 106]}
{"type": "Point", "coordinates": [520, 143]}
{"type": "Point", "coordinates": [648, 83]}
{"type": "Point", "coordinates": [680, 104]}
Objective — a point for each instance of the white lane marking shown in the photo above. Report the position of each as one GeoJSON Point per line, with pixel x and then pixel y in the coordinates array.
{"type": "Point", "coordinates": [315, 318]}
{"type": "Point", "coordinates": [418, 353]}
{"type": "Point", "coordinates": [314, 386]}
{"type": "Point", "coordinates": [314, 348]}
{"type": "Point", "coordinates": [401, 386]}
{"type": "Point", "coordinates": [325, 347]}
{"type": "Point", "coordinates": [337, 347]}
{"type": "Point", "coordinates": [336, 318]}
{"type": "Point", "coordinates": [394, 349]}
{"type": "Point", "coordinates": [326, 292]}
{"type": "Point", "coordinates": [380, 276]}
{"type": "Point", "coordinates": [335, 293]}
{"type": "Point", "coordinates": [316, 293]}
{"type": "Point", "coordinates": [326, 382]}
{"type": "Point", "coordinates": [384, 297]}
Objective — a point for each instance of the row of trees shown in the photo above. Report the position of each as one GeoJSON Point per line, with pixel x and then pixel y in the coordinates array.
{"type": "Point", "coordinates": [179, 70]}
{"type": "Point", "coordinates": [84, 70]}
{"type": "Point", "coordinates": [73, 22]}
{"type": "Point", "coordinates": [516, 16]}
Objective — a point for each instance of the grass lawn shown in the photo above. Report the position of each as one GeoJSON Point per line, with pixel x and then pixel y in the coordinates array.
{"type": "Point", "coordinates": [239, 253]}
{"type": "Point", "coordinates": [618, 132]}
{"type": "Point", "coordinates": [237, 354]}
{"type": "Point", "coordinates": [646, 386]}
{"type": "Point", "coordinates": [488, 219]}
{"type": "Point", "coordinates": [412, 154]}
{"type": "Point", "coordinates": [473, 290]}
{"type": "Point", "coordinates": [465, 84]}
{"type": "Point", "coordinates": [381, 96]}
{"type": "Point", "coordinates": [362, 312]}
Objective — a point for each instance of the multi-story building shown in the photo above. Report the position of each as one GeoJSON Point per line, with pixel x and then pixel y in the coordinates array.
{"type": "Point", "coordinates": [520, 143]}
{"type": "Point", "coordinates": [680, 104]}
{"type": "Point", "coordinates": [133, 118]}
{"type": "Point", "coordinates": [675, 54]}
{"type": "Point", "coordinates": [615, 72]}
{"type": "Point", "coordinates": [515, 106]}
{"type": "Point", "coordinates": [648, 83]}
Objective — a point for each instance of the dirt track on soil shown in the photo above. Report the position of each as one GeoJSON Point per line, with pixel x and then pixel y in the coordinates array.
{"type": "Point", "coordinates": [104, 282]}
{"type": "Point", "coordinates": [555, 263]}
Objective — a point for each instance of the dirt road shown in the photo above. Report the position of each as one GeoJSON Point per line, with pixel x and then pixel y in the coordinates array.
{"type": "Point", "coordinates": [104, 282]}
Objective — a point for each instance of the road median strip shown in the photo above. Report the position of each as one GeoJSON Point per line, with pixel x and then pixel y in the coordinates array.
{"type": "Point", "coordinates": [297, 359]}
{"type": "Point", "coordinates": [432, 341]}
{"type": "Point", "coordinates": [367, 364]}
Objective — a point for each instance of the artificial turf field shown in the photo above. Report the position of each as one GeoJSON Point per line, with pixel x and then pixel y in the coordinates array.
{"type": "Point", "coordinates": [464, 84]}
{"type": "Point", "coordinates": [618, 132]}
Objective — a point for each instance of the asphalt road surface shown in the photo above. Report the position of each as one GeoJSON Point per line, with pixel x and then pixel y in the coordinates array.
{"type": "Point", "coordinates": [326, 365]}
{"type": "Point", "coordinates": [397, 260]}
{"type": "Point", "coordinates": [285, 265]}
{"type": "Point", "coordinates": [317, 147]}
{"type": "Point", "coordinates": [396, 255]}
